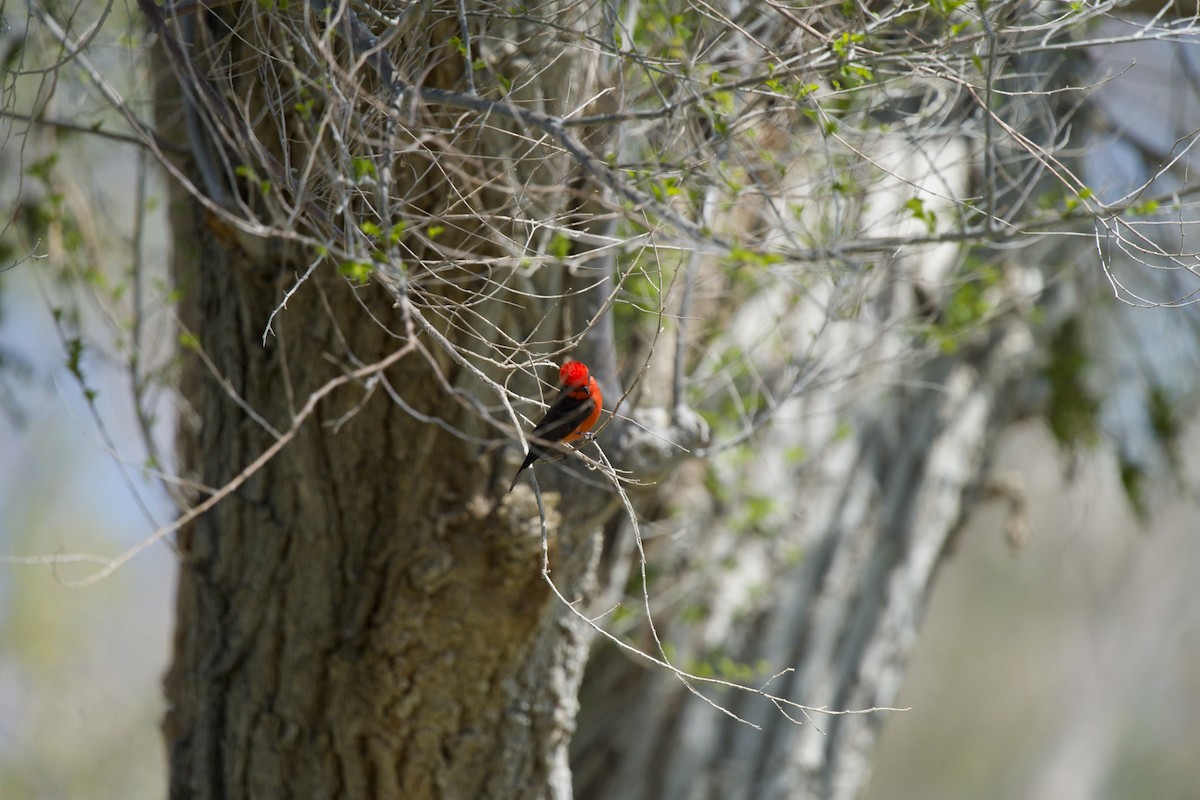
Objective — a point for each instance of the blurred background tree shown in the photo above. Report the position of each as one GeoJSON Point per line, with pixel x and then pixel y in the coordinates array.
{"type": "Point", "coordinates": [821, 258]}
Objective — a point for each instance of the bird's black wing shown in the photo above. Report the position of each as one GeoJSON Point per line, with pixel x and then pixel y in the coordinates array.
{"type": "Point", "coordinates": [563, 416]}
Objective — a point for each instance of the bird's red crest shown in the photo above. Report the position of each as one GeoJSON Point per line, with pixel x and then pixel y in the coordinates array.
{"type": "Point", "coordinates": [573, 374]}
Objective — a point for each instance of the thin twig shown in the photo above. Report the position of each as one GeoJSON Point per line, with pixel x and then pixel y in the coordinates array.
{"type": "Point", "coordinates": [113, 564]}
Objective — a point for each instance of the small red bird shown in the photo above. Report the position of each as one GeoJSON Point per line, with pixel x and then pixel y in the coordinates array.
{"type": "Point", "coordinates": [570, 416]}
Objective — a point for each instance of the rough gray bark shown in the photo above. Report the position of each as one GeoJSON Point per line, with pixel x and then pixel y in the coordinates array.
{"type": "Point", "coordinates": [366, 616]}
{"type": "Point", "coordinates": [842, 610]}
{"type": "Point", "coordinates": [351, 622]}
{"type": "Point", "coordinates": [836, 595]}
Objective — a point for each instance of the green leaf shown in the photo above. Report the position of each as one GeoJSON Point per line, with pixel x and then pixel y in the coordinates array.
{"type": "Point", "coordinates": [75, 349]}
{"type": "Point", "coordinates": [1072, 409]}
{"type": "Point", "coordinates": [917, 206]}
{"type": "Point", "coordinates": [842, 44]}
{"type": "Point", "coordinates": [363, 167]}
{"type": "Point", "coordinates": [560, 245]}
{"type": "Point", "coordinates": [744, 255]}
{"type": "Point", "coordinates": [945, 8]}
{"type": "Point", "coordinates": [861, 71]}
{"type": "Point", "coordinates": [358, 271]}
{"type": "Point", "coordinates": [42, 168]}
{"type": "Point", "coordinates": [803, 90]}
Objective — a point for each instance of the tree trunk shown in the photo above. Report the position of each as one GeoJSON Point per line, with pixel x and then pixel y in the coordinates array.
{"type": "Point", "coordinates": [825, 613]}
{"type": "Point", "coordinates": [808, 573]}
{"type": "Point", "coordinates": [366, 615]}
{"type": "Point", "coordinates": [351, 622]}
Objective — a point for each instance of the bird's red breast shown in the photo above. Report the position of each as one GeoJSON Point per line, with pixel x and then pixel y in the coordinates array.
{"type": "Point", "coordinates": [591, 400]}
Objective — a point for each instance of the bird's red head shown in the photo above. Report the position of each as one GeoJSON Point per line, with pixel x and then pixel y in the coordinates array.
{"type": "Point", "coordinates": [573, 374]}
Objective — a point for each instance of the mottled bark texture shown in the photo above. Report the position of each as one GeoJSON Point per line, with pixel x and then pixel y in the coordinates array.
{"type": "Point", "coordinates": [351, 622]}
{"type": "Point", "coordinates": [808, 571]}
{"type": "Point", "coordinates": [837, 596]}
{"type": "Point", "coordinates": [366, 616]}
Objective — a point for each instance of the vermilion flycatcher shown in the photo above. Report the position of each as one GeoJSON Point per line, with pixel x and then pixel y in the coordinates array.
{"type": "Point", "coordinates": [570, 416]}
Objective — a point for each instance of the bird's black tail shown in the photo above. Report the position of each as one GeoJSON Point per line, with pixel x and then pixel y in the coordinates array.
{"type": "Point", "coordinates": [534, 452]}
